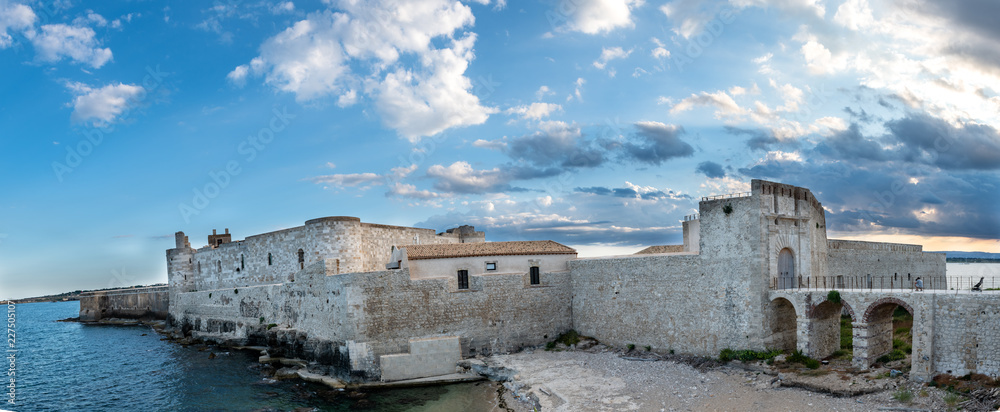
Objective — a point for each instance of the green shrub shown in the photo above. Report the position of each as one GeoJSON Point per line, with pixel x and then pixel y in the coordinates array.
{"type": "Point", "coordinates": [630, 347]}
{"type": "Point", "coordinates": [569, 338]}
{"type": "Point", "coordinates": [833, 296]}
{"type": "Point", "coordinates": [903, 395]}
{"type": "Point", "coordinates": [550, 345]}
{"type": "Point", "coordinates": [812, 363]}
{"type": "Point", "coordinates": [271, 325]}
{"type": "Point", "coordinates": [727, 209]}
{"type": "Point", "coordinates": [895, 355]}
{"type": "Point", "coordinates": [648, 348]}
{"type": "Point", "coordinates": [261, 320]}
{"type": "Point", "coordinates": [727, 355]}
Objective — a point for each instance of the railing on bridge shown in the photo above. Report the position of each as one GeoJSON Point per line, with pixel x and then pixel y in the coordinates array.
{"type": "Point", "coordinates": [727, 196]}
{"type": "Point", "coordinates": [864, 282]}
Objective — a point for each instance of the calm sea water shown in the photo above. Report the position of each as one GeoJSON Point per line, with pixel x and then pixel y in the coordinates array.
{"type": "Point", "coordinates": [967, 274]}
{"type": "Point", "coordinates": [66, 366]}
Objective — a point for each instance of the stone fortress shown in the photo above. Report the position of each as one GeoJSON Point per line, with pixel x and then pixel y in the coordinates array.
{"type": "Point", "coordinates": [375, 302]}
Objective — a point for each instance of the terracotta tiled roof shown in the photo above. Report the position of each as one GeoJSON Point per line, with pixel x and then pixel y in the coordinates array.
{"type": "Point", "coordinates": [452, 250]}
{"type": "Point", "coordinates": [661, 249]}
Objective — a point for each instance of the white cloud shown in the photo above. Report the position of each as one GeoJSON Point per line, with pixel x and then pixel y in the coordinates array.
{"type": "Point", "coordinates": [598, 16]}
{"type": "Point", "coordinates": [578, 91]}
{"type": "Point", "coordinates": [490, 144]}
{"type": "Point", "coordinates": [283, 7]}
{"type": "Point", "coordinates": [855, 15]}
{"type": "Point", "coordinates": [411, 191]}
{"type": "Point", "coordinates": [349, 179]}
{"type": "Point", "coordinates": [791, 94]}
{"type": "Point", "coordinates": [460, 177]}
{"type": "Point", "coordinates": [534, 111]}
{"type": "Point", "coordinates": [104, 105]}
{"type": "Point", "coordinates": [542, 92]}
{"type": "Point", "coordinates": [609, 54]}
{"type": "Point", "coordinates": [238, 76]}
{"type": "Point", "coordinates": [416, 97]}
{"type": "Point", "coordinates": [14, 17]}
{"type": "Point", "coordinates": [660, 53]}
{"type": "Point", "coordinates": [725, 106]}
{"type": "Point", "coordinates": [56, 41]}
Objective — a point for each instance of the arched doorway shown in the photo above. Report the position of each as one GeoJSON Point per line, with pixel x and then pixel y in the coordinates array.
{"type": "Point", "coordinates": [786, 269]}
{"type": "Point", "coordinates": [784, 326]}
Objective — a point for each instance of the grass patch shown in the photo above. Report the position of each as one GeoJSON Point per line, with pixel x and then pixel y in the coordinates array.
{"type": "Point", "coordinates": [903, 395]}
{"type": "Point", "coordinates": [798, 357]}
{"type": "Point", "coordinates": [895, 355]}
{"type": "Point", "coordinates": [271, 325]}
{"type": "Point", "coordinates": [747, 355]}
{"type": "Point", "coordinates": [952, 399]}
{"type": "Point", "coordinates": [846, 333]}
{"type": "Point", "coordinates": [842, 354]}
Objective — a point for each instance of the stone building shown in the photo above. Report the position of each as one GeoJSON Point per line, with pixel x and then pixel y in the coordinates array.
{"type": "Point", "coordinates": [387, 302]}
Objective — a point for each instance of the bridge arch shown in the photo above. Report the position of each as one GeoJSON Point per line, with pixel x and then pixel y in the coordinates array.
{"type": "Point", "coordinates": [878, 334]}
{"type": "Point", "coordinates": [782, 324]}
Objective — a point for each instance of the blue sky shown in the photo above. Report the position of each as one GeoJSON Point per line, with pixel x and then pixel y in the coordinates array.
{"type": "Point", "coordinates": [595, 123]}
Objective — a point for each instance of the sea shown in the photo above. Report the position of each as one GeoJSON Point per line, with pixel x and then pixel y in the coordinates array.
{"type": "Point", "coordinates": [68, 366]}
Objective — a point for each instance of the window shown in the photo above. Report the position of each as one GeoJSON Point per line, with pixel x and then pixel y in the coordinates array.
{"type": "Point", "coordinates": [243, 262]}
{"type": "Point", "coordinates": [491, 265]}
{"type": "Point", "coordinates": [302, 259]}
{"type": "Point", "coordinates": [463, 279]}
{"type": "Point", "coordinates": [270, 259]}
{"type": "Point", "coordinates": [218, 264]}
{"type": "Point", "coordinates": [536, 278]}
{"type": "Point", "coordinates": [199, 268]}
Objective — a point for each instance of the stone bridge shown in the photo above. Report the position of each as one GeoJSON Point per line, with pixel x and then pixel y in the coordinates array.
{"type": "Point", "coordinates": [953, 332]}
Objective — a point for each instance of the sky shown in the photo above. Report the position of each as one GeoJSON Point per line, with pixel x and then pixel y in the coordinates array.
{"type": "Point", "coordinates": [595, 123]}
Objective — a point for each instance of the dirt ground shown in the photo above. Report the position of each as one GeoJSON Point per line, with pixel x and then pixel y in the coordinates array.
{"type": "Point", "coordinates": [603, 379]}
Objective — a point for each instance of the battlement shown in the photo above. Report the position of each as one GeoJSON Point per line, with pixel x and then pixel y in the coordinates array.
{"type": "Point", "coordinates": [836, 244]}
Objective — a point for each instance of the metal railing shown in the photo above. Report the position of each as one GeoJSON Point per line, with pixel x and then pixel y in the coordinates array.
{"type": "Point", "coordinates": [865, 282]}
{"type": "Point", "coordinates": [727, 196]}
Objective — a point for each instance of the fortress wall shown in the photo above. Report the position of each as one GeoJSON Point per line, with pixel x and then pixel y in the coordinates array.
{"type": "Point", "coordinates": [135, 303]}
{"type": "Point", "coordinates": [889, 264]}
{"type": "Point", "coordinates": [244, 263]}
{"type": "Point", "coordinates": [734, 268]}
{"type": "Point", "coordinates": [967, 333]}
{"type": "Point", "coordinates": [662, 301]}
{"type": "Point", "coordinates": [499, 313]}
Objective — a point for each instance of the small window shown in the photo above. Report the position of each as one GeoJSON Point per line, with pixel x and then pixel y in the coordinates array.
{"type": "Point", "coordinates": [302, 259]}
{"type": "Point", "coordinates": [536, 278]}
{"type": "Point", "coordinates": [491, 265]}
{"type": "Point", "coordinates": [270, 259]}
{"type": "Point", "coordinates": [243, 262]}
{"type": "Point", "coordinates": [218, 264]}
{"type": "Point", "coordinates": [463, 279]}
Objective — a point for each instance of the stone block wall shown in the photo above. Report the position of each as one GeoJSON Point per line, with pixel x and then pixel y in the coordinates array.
{"type": "Point", "coordinates": [135, 303]}
{"type": "Point", "coordinates": [427, 357]}
{"type": "Point", "coordinates": [967, 333]}
{"type": "Point", "coordinates": [650, 300]}
{"type": "Point", "coordinates": [890, 265]}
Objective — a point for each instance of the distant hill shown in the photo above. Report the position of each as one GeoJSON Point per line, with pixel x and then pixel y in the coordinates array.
{"type": "Point", "coordinates": [972, 257]}
{"type": "Point", "coordinates": [74, 295]}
